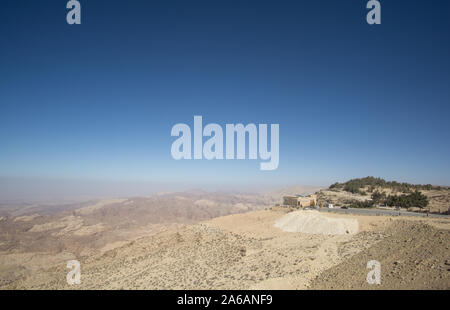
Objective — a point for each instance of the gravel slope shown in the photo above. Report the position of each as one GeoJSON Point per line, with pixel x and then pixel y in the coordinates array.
{"type": "Point", "coordinates": [413, 256]}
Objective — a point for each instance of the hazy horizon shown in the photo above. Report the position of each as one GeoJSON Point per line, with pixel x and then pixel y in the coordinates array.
{"type": "Point", "coordinates": [66, 190]}
{"type": "Point", "coordinates": [35, 190]}
{"type": "Point", "coordinates": [95, 103]}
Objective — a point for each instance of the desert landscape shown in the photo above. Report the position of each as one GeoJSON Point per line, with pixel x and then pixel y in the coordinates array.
{"type": "Point", "coordinates": [202, 240]}
{"type": "Point", "coordinates": [224, 145]}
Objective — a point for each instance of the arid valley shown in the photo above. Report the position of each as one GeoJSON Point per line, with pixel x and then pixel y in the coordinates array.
{"type": "Point", "coordinates": [202, 240]}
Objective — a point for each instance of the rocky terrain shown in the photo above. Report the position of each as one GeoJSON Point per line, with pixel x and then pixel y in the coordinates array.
{"type": "Point", "coordinates": [200, 240]}
{"type": "Point", "coordinates": [246, 251]}
{"type": "Point", "coordinates": [237, 251]}
{"type": "Point", "coordinates": [413, 255]}
{"type": "Point", "coordinates": [35, 236]}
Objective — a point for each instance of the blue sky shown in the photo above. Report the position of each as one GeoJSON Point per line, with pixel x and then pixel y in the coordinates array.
{"type": "Point", "coordinates": [97, 101]}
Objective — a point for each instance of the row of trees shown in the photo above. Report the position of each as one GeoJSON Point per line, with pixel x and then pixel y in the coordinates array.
{"type": "Point", "coordinates": [413, 200]}
{"type": "Point", "coordinates": [362, 204]}
{"type": "Point", "coordinates": [355, 185]}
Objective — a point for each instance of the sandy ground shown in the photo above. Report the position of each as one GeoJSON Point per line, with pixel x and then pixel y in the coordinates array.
{"type": "Point", "coordinates": [313, 222]}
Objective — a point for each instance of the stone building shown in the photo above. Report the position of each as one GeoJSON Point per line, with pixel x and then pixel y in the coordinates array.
{"type": "Point", "coordinates": [300, 201]}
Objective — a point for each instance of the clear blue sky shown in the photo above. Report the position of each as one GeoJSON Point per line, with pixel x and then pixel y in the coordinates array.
{"type": "Point", "coordinates": [97, 101]}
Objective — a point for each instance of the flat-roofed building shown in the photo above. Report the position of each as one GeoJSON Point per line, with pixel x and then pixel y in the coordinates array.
{"type": "Point", "coordinates": [300, 201]}
{"type": "Point", "coordinates": [290, 201]}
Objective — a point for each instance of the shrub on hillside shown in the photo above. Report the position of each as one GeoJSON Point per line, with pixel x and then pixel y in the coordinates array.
{"type": "Point", "coordinates": [362, 204]}
{"type": "Point", "coordinates": [413, 200]}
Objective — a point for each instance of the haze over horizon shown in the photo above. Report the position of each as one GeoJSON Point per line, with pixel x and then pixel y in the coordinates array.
{"type": "Point", "coordinates": [87, 109]}
{"type": "Point", "coordinates": [19, 190]}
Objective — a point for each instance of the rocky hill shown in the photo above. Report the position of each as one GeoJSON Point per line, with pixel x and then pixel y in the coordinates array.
{"type": "Point", "coordinates": [360, 190]}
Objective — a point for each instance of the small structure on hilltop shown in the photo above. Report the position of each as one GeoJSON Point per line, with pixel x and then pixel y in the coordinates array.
{"type": "Point", "coordinates": [300, 201]}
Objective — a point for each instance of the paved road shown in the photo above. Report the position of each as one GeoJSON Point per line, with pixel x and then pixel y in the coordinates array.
{"type": "Point", "coordinates": [381, 212]}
